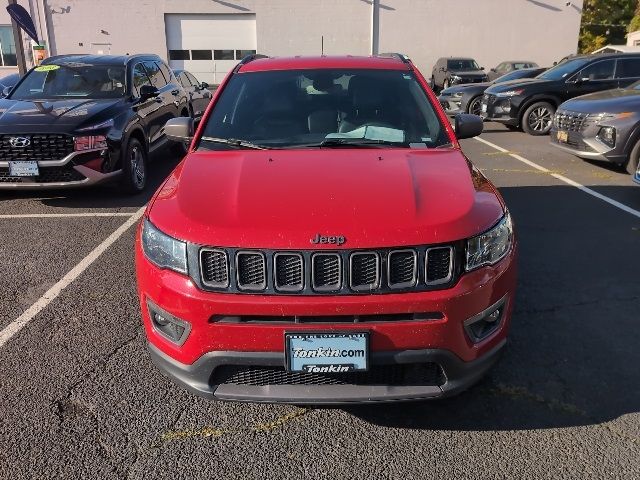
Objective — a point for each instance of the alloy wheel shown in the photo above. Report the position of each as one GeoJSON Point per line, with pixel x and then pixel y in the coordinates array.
{"type": "Point", "coordinates": [137, 167]}
{"type": "Point", "coordinates": [476, 107]}
{"type": "Point", "coordinates": [540, 119]}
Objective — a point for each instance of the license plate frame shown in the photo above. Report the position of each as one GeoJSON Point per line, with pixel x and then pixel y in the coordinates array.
{"type": "Point", "coordinates": [562, 136]}
{"type": "Point", "coordinates": [23, 168]}
{"type": "Point", "coordinates": [483, 107]}
{"type": "Point", "coordinates": [329, 342]}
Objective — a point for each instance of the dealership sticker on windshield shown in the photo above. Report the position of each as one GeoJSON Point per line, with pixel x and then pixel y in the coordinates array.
{"type": "Point", "coordinates": [46, 68]}
{"type": "Point", "coordinates": [327, 352]}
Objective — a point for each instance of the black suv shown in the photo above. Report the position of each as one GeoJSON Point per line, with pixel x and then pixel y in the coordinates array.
{"type": "Point", "coordinates": [454, 71]}
{"type": "Point", "coordinates": [79, 120]}
{"type": "Point", "coordinates": [531, 104]}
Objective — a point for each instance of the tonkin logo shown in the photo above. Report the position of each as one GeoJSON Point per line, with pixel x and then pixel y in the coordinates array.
{"type": "Point", "coordinates": [19, 142]}
{"type": "Point", "coordinates": [335, 240]}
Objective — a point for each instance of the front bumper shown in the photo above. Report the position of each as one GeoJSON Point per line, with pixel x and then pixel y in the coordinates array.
{"type": "Point", "coordinates": [498, 109]}
{"type": "Point", "coordinates": [197, 377]}
{"type": "Point", "coordinates": [451, 104]}
{"type": "Point", "coordinates": [585, 144]}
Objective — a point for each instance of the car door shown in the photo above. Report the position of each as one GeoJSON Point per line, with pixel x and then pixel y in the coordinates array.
{"type": "Point", "coordinates": [627, 71]}
{"type": "Point", "coordinates": [146, 109]}
{"type": "Point", "coordinates": [201, 96]}
{"type": "Point", "coordinates": [595, 77]}
{"type": "Point", "coordinates": [166, 104]}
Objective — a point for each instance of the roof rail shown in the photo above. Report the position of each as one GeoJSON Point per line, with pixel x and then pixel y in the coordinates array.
{"type": "Point", "coordinates": [247, 59]}
{"type": "Point", "coordinates": [400, 56]}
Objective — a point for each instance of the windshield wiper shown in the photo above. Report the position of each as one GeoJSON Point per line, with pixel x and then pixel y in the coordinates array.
{"type": "Point", "coordinates": [357, 142]}
{"type": "Point", "coordinates": [234, 142]}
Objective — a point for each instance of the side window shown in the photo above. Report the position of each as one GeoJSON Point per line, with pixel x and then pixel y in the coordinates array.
{"type": "Point", "coordinates": [182, 78]}
{"type": "Point", "coordinates": [598, 71]}
{"type": "Point", "coordinates": [168, 76]}
{"type": "Point", "coordinates": [140, 78]}
{"type": "Point", "coordinates": [192, 79]}
{"type": "Point", "coordinates": [155, 75]}
{"type": "Point", "coordinates": [502, 68]}
{"type": "Point", "coordinates": [628, 68]}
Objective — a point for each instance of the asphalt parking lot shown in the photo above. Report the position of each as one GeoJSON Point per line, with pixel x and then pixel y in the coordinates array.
{"type": "Point", "coordinates": [80, 398]}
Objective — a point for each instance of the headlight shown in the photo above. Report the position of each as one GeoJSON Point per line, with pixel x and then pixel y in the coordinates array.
{"type": "Point", "coordinates": [455, 78]}
{"type": "Point", "coordinates": [510, 93]}
{"type": "Point", "coordinates": [607, 135]}
{"type": "Point", "coordinates": [163, 250]}
{"type": "Point", "coordinates": [490, 247]}
{"type": "Point", "coordinates": [93, 142]}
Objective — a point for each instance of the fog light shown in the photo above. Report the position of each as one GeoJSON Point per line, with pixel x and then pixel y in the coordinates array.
{"type": "Point", "coordinates": [170, 327]}
{"type": "Point", "coordinates": [486, 322]}
{"type": "Point", "coordinates": [607, 135]}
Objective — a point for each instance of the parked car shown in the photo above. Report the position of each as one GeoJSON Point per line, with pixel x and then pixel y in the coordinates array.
{"type": "Point", "coordinates": [453, 71]}
{"type": "Point", "coordinates": [326, 245]}
{"type": "Point", "coordinates": [79, 120]}
{"type": "Point", "coordinates": [510, 66]}
{"type": "Point", "coordinates": [198, 92]}
{"type": "Point", "coordinates": [468, 97]}
{"type": "Point", "coordinates": [531, 103]}
{"type": "Point", "coordinates": [7, 83]}
{"type": "Point", "coordinates": [601, 126]}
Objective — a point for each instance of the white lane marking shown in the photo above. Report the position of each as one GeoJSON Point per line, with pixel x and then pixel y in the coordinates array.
{"type": "Point", "coordinates": [564, 179]}
{"type": "Point", "coordinates": [69, 215]}
{"type": "Point", "coordinates": [19, 323]}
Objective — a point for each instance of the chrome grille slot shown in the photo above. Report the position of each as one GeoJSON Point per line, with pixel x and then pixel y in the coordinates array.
{"type": "Point", "coordinates": [289, 271]}
{"type": "Point", "coordinates": [402, 268]}
{"type": "Point", "coordinates": [570, 121]}
{"type": "Point", "coordinates": [251, 270]}
{"type": "Point", "coordinates": [438, 265]}
{"type": "Point", "coordinates": [364, 271]}
{"type": "Point", "coordinates": [326, 272]}
{"type": "Point", "coordinates": [214, 268]}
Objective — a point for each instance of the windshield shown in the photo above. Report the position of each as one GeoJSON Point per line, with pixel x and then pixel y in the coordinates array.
{"type": "Point", "coordinates": [513, 76]}
{"type": "Point", "coordinates": [72, 81]}
{"type": "Point", "coordinates": [462, 64]}
{"type": "Point", "coordinates": [307, 108]}
{"type": "Point", "coordinates": [564, 69]}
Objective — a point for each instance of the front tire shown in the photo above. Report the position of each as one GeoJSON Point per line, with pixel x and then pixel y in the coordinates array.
{"type": "Point", "coordinates": [134, 167]}
{"type": "Point", "coordinates": [475, 106]}
{"type": "Point", "coordinates": [633, 163]}
{"type": "Point", "coordinates": [537, 119]}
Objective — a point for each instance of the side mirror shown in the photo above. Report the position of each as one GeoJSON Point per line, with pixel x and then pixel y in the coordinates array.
{"type": "Point", "coordinates": [6, 91]}
{"type": "Point", "coordinates": [179, 129]}
{"type": "Point", "coordinates": [481, 68]}
{"type": "Point", "coordinates": [148, 91]}
{"type": "Point", "coordinates": [493, 69]}
{"type": "Point", "coordinates": [204, 85]}
{"type": "Point", "coordinates": [467, 125]}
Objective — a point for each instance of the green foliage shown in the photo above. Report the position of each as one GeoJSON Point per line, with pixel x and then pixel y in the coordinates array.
{"type": "Point", "coordinates": [635, 21]}
{"type": "Point", "coordinates": [606, 22]}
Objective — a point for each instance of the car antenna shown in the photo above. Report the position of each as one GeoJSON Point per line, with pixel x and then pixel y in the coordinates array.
{"type": "Point", "coordinates": [322, 45]}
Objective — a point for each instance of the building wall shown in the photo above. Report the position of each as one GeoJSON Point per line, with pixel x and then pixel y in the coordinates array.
{"type": "Point", "coordinates": [633, 39]}
{"type": "Point", "coordinates": [488, 30]}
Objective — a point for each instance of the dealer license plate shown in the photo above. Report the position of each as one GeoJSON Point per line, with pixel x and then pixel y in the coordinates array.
{"type": "Point", "coordinates": [483, 108]}
{"type": "Point", "coordinates": [562, 136]}
{"type": "Point", "coordinates": [24, 169]}
{"type": "Point", "coordinates": [327, 352]}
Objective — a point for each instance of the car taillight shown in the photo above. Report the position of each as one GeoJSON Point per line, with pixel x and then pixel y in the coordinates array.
{"type": "Point", "coordinates": [92, 142]}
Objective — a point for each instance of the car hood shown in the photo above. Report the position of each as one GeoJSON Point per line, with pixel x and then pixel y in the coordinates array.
{"type": "Point", "coordinates": [469, 73]}
{"type": "Point", "coordinates": [608, 101]}
{"type": "Point", "coordinates": [284, 198]}
{"type": "Point", "coordinates": [517, 83]}
{"type": "Point", "coordinates": [22, 116]}
{"type": "Point", "coordinates": [465, 87]}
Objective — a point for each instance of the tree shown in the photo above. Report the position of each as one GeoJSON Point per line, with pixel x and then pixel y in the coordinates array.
{"type": "Point", "coordinates": [605, 22]}
{"type": "Point", "coordinates": [635, 21]}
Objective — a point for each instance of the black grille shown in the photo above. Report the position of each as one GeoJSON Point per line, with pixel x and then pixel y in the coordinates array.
{"type": "Point", "coordinates": [326, 271]}
{"type": "Point", "coordinates": [215, 268]}
{"type": "Point", "coordinates": [365, 271]}
{"type": "Point", "coordinates": [47, 175]}
{"type": "Point", "coordinates": [374, 318]}
{"type": "Point", "coordinates": [438, 265]}
{"type": "Point", "coordinates": [289, 271]}
{"type": "Point", "coordinates": [41, 147]}
{"type": "Point", "coordinates": [424, 374]}
{"type": "Point", "coordinates": [402, 268]}
{"type": "Point", "coordinates": [251, 270]}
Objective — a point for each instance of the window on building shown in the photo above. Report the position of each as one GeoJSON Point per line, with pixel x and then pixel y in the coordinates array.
{"type": "Point", "coordinates": [223, 55]}
{"type": "Point", "coordinates": [240, 54]}
{"type": "Point", "coordinates": [179, 55]}
{"type": "Point", "coordinates": [7, 47]}
{"type": "Point", "coordinates": [155, 75]}
{"type": "Point", "coordinates": [200, 54]}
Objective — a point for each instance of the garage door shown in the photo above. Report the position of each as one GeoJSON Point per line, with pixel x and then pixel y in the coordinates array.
{"type": "Point", "coordinates": [209, 45]}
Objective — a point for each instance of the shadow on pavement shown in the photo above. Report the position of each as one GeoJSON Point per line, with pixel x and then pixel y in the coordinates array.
{"type": "Point", "coordinates": [108, 195]}
{"type": "Point", "coordinates": [573, 352]}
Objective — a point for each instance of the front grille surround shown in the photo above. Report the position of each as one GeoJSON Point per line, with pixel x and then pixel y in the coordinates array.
{"type": "Point", "coordinates": [441, 279]}
{"type": "Point", "coordinates": [214, 265]}
{"type": "Point", "coordinates": [392, 273]}
{"type": "Point", "coordinates": [362, 278]}
{"type": "Point", "coordinates": [253, 276]}
{"type": "Point", "coordinates": [338, 284]}
{"type": "Point", "coordinates": [288, 270]}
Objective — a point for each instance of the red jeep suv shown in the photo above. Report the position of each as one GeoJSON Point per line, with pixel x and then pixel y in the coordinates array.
{"type": "Point", "coordinates": [325, 240]}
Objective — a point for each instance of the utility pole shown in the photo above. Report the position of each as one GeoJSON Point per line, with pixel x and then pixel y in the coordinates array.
{"type": "Point", "coordinates": [17, 38]}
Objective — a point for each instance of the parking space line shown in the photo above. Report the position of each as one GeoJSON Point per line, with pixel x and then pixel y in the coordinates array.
{"type": "Point", "coordinates": [69, 215]}
{"type": "Point", "coordinates": [564, 179]}
{"type": "Point", "coordinates": [18, 324]}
